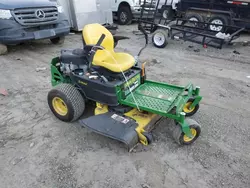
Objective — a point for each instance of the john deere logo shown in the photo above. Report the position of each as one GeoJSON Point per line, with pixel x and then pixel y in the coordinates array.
{"type": "Point", "coordinates": [40, 14]}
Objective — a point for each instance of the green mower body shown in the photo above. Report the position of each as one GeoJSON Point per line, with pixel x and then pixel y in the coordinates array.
{"type": "Point", "coordinates": [127, 105]}
{"type": "Point", "coordinates": [121, 96]}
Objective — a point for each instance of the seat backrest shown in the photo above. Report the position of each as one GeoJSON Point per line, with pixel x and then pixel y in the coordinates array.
{"type": "Point", "coordinates": [92, 32]}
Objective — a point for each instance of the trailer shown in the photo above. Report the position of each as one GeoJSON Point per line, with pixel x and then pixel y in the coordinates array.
{"type": "Point", "coordinates": [155, 22]}
{"type": "Point", "coordinates": [81, 13]}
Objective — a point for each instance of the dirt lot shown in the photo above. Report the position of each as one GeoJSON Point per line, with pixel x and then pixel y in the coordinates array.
{"type": "Point", "coordinates": [37, 150]}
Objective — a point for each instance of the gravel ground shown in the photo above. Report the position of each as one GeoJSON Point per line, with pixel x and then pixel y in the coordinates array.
{"type": "Point", "coordinates": [37, 150]}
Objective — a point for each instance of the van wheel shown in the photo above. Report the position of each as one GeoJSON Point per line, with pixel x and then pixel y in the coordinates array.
{"type": "Point", "coordinates": [218, 19]}
{"type": "Point", "coordinates": [124, 15]}
{"type": "Point", "coordinates": [3, 49]}
{"type": "Point", "coordinates": [57, 40]}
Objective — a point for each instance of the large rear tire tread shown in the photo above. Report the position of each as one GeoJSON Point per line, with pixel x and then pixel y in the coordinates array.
{"type": "Point", "coordinates": [72, 98]}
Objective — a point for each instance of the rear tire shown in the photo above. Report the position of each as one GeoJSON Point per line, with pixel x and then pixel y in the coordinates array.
{"type": "Point", "coordinates": [58, 40]}
{"type": "Point", "coordinates": [159, 38]}
{"type": "Point", "coordinates": [124, 15]}
{"type": "Point", "coordinates": [66, 102]}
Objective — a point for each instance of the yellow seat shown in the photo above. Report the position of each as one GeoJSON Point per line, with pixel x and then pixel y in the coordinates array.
{"type": "Point", "coordinates": [107, 58]}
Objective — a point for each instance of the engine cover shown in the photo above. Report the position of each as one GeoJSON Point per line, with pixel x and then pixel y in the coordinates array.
{"type": "Point", "coordinates": [76, 57]}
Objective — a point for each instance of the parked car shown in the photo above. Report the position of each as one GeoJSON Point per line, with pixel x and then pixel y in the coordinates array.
{"type": "Point", "coordinates": [24, 20]}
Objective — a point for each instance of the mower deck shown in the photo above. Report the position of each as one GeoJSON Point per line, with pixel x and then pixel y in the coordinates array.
{"type": "Point", "coordinates": [126, 128]}
{"type": "Point", "coordinates": [113, 126]}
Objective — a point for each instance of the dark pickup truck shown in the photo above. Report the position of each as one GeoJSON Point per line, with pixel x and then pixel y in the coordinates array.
{"type": "Point", "coordinates": [24, 20]}
{"type": "Point", "coordinates": [220, 12]}
{"type": "Point", "coordinates": [223, 10]}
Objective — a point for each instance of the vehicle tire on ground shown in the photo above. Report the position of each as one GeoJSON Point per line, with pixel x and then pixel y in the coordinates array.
{"type": "Point", "coordinates": [167, 12]}
{"type": "Point", "coordinates": [3, 49]}
{"type": "Point", "coordinates": [196, 17]}
{"type": "Point", "coordinates": [190, 112]}
{"type": "Point", "coordinates": [159, 38]}
{"type": "Point", "coordinates": [66, 102]}
{"type": "Point", "coordinates": [58, 40]}
{"type": "Point", "coordinates": [182, 139]}
{"type": "Point", "coordinates": [218, 19]}
{"type": "Point", "coordinates": [124, 15]}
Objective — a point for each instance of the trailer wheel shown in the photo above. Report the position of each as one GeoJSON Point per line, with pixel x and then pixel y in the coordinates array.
{"type": "Point", "coordinates": [159, 38]}
{"type": "Point", "coordinates": [218, 19]}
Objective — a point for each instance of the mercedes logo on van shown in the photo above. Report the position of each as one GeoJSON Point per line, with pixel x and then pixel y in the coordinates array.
{"type": "Point", "coordinates": [40, 14]}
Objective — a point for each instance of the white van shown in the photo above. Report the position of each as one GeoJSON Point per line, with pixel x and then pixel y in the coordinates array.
{"type": "Point", "coordinates": [127, 10]}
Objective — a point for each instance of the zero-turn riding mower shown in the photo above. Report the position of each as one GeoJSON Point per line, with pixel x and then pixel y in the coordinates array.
{"type": "Point", "coordinates": [127, 105]}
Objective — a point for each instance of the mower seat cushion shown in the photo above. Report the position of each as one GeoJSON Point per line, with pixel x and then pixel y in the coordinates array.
{"type": "Point", "coordinates": [107, 58]}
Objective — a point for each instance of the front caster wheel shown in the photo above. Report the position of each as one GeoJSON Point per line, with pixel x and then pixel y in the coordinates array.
{"type": "Point", "coordinates": [183, 139]}
{"type": "Point", "coordinates": [190, 111]}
